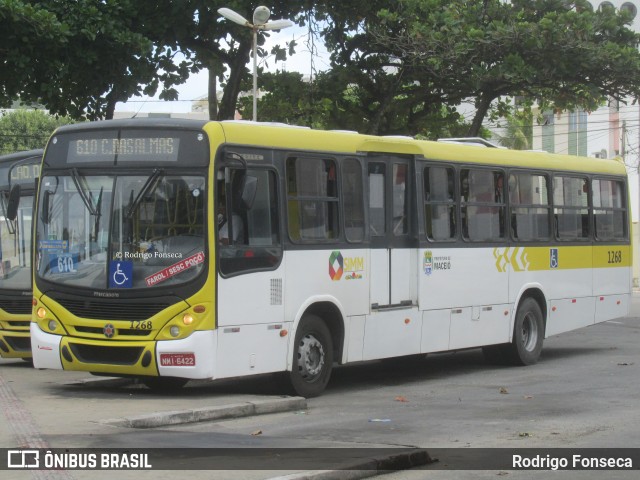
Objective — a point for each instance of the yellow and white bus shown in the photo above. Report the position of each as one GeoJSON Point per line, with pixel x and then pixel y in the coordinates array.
{"type": "Point", "coordinates": [171, 250]}
{"type": "Point", "coordinates": [18, 175]}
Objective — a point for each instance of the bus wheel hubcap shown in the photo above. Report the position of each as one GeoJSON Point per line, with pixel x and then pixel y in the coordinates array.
{"type": "Point", "coordinates": [310, 357]}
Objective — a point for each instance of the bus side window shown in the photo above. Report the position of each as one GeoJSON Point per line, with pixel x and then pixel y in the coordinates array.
{"type": "Point", "coordinates": [439, 200]}
{"type": "Point", "coordinates": [530, 209]}
{"type": "Point", "coordinates": [570, 196]}
{"type": "Point", "coordinates": [483, 207]}
{"type": "Point", "coordinates": [255, 244]}
{"type": "Point", "coordinates": [353, 200]}
{"type": "Point", "coordinates": [312, 199]}
{"type": "Point", "coordinates": [377, 210]}
{"type": "Point", "coordinates": [228, 209]}
{"type": "Point", "coordinates": [609, 212]}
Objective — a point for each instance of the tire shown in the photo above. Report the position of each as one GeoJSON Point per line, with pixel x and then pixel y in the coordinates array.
{"type": "Point", "coordinates": [528, 335]}
{"type": "Point", "coordinates": [164, 384]}
{"type": "Point", "coordinates": [312, 358]}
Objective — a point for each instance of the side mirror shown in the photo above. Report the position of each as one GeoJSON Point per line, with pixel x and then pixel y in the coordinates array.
{"type": "Point", "coordinates": [249, 189]}
{"type": "Point", "coordinates": [14, 201]}
{"type": "Point", "coordinates": [44, 212]}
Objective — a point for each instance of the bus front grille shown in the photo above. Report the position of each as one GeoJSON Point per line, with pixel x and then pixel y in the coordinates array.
{"type": "Point", "coordinates": [117, 309]}
{"type": "Point", "coordinates": [121, 331]}
{"type": "Point", "coordinates": [110, 355]}
{"type": "Point", "coordinates": [21, 306]}
{"type": "Point", "coordinates": [19, 324]}
{"type": "Point", "coordinates": [19, 344]}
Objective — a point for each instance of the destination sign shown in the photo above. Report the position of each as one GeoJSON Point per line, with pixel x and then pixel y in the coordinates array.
{"type": "Point", "coordinates": [103, 147]}
{"type": "Point", "coordinates": [161, 149]}
{"type": "Point", "coordinates": [24, 174]}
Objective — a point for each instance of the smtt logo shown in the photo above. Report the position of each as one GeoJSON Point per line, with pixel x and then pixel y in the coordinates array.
{"type": "Point", "coordinates": [336, 265]}
{"type": "Point", "coordinates": [23, 459]}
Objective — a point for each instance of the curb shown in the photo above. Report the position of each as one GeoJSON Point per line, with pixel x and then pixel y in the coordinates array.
{"type": "Point", "coordinates": [235, 410]}
{"type": "Point", "coordinates": [367, 467]}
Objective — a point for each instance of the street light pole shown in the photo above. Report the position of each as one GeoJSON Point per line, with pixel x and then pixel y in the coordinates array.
{"type": "Point", "coordinates": [260, 22]}
{"type": "Point", "coordinates": [255, 75]}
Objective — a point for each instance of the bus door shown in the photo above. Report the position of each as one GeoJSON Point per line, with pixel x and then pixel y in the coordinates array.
{"type": "Point", "coordinates": [390, 229]}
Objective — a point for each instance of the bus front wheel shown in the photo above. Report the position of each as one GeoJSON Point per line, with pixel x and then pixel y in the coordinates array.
{"type": "Point", "coordinates": [528, 334]}
{"type": "Point", "coordinates": [312, 357]}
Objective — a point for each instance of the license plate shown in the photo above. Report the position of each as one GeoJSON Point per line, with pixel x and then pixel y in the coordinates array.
{"type": "Point", "coordinates": [177, 359]}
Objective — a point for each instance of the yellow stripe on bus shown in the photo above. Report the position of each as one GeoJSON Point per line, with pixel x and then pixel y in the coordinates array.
{"type": "Point", "coordinates": [520, 259]}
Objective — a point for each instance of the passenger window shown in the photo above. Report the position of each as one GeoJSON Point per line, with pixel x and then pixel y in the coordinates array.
{"type": "Point", "coordinates": [312, 201]}
{"type": "Point", "coordinates": [483, 204]}
{"type": "Point", "coordinates": [570, 198]}
{"type": "Point", "coordinates": [353, 200]}
{"type": "Point", "coordinates": [400, 199]}
{"type": "Point", "coordinates": [377, 204]}
{"type": "Point", "coordinates": [530, 209]}
{"type": "Point", "coordinates": [439, 203]}
{"type": "Point", "coordinates": [609, 212]}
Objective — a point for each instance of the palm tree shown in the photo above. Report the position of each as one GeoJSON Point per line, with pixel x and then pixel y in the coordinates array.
{"type": "Point", "coordinates": [518, 131]}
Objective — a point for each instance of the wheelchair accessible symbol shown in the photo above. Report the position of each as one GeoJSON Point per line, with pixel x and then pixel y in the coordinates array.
{"type": "Point", "coordinates": [120, 274]}
{"type": "Point", "coordinates": [553, 258]}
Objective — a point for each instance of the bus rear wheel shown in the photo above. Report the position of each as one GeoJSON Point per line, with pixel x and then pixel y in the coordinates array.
{"type": "Point", "coordinates": [528, 335]}
{"type": "Point", "coordinates": [312, 357]}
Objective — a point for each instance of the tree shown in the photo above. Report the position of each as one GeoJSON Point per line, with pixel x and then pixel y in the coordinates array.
{"type": "Point", "coordinates": [555, 52]}
{"type": "Point", "coordinates": [196, 29]}
{"type": "Point", "coordinates": [382, 96]}
{"type": "Point", "coordinates": [368, 88]}
{"type": "Point", "coordinates": [30, 37]}
{"type": "Point", "coordinates": [518, 131]}
{"type": "Point", "coordinates": [27, 130]}
{"type": "Point", "coordinates": [331, 101]}
{"type": "Point", "coordinates": [80, 58]}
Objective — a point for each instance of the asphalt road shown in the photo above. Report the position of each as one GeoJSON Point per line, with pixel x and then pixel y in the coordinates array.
{"type": "Point", "coordinates": [582, 394]}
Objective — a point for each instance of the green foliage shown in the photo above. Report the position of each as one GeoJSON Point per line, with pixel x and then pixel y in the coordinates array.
{"type": "Point", "coordinates": [80, 58]}
{"type": "Point", "coordinates": [27, 130]}
{"type": "Point", "coordinates": [396, 67]}
{"type": "Point", "coordinates": [209, 42]}
{"type": "Point", "coordinates": [557, 53]}
{"type": "Point", "coordinates": [517, 130]}
{"type": "Point", "coordinates": [331, 101]}
{"type": "Point", "coordinates": [30, 36]}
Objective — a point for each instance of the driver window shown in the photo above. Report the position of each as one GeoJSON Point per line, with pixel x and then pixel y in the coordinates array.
{"type": "Point", "coordinates": [231, 218]}
{"type": "Point", "coordinates": [247, 216]}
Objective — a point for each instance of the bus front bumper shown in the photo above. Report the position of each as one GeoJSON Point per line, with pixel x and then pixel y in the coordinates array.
{"type": "Point", "coordinates": [192, 357]}
{"type": "Point", "coordinates": [15, 344]}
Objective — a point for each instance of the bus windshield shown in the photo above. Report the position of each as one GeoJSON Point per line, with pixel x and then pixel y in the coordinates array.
{"type": "Point", "coordinates": [121, 231]}
{"type": "Point", "coordinates": [15, 245]}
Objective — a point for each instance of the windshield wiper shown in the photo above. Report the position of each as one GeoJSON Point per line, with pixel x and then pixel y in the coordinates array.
{"type": "Point", "coordinates": [83, 188]}
{"type": "Point", "coordinates": [11, 228]}
{"type": "Point", "coordinates": [148, 186]}
{"type": "Point", "coordinates": [96, 223]}
{"type": "Point", "coordinates": [87, 198]}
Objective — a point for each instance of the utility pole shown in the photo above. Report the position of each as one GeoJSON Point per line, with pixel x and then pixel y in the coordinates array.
{"type": "Point", "coordinates": [623, 147]}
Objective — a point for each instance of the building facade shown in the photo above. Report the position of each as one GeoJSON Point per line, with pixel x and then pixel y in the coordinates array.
{"type": "Point", "coordinates": [611, 131]}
